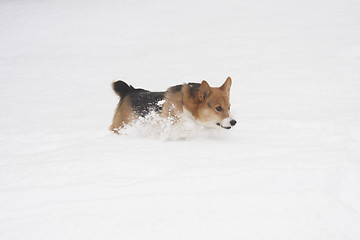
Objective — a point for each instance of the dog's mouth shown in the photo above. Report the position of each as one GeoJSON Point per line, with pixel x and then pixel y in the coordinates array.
{"type": "Point", "coordinates": [222, 126]}
{"type": "Point", "coordinates": [232, 123]}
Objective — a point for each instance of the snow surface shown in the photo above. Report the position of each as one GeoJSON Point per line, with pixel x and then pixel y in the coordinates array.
{"type": "Point", "coordinates": [290, 169]}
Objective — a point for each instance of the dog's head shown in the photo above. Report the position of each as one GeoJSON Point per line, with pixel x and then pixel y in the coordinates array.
{"type": "Point", "coordinates": [213, 106]}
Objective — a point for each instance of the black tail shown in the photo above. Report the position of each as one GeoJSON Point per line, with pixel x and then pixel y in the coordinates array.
{"type": "Point", "coordinates": [121, 88]}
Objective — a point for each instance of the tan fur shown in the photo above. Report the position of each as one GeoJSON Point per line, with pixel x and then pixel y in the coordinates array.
{"type": "Point", "coordinates": [201, 104]}
{"type": "Point", "coordinates": [123, 115]}
{"type": "Point", "coordinates": [173, 106]}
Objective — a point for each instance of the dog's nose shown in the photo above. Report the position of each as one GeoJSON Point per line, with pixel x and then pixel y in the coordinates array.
{"type": "Point", "coordinates": [232, 122]}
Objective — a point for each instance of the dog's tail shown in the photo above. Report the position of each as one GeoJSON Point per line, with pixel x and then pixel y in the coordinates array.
{"type": "Point", "coordinates": [121, 88]}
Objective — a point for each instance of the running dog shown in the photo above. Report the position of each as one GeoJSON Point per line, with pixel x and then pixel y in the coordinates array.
{"type": "Point", "coordinates": [205, 105]}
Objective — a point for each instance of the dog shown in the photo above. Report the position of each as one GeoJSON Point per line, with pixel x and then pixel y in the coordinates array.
{"type": "Point", "coordinates": [205, 105]}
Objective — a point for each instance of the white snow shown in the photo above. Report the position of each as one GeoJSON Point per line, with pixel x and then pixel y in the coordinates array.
{"type": "Point", "coordinates": [290, 169]}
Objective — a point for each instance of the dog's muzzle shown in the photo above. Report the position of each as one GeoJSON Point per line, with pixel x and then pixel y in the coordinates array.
{"type": "Point", "coordinates": [227, 123]}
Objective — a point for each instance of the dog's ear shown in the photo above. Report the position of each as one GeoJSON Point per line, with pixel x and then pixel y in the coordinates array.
{"type": "Point", "coordinates": [227, 84]}
{"type": "Point", "coordinates": [204, 91]}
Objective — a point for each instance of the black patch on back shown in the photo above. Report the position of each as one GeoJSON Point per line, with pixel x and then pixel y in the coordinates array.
{"type": "Point", "coordinates": [194, 88]}
{"type": "Point", "coordinates": [175, 89]}
{"type": "Point", "coordinates": [143, 101]}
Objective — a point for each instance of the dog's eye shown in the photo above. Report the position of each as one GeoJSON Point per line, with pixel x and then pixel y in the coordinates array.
{"type": "Point", "coordinates": [219, 109]}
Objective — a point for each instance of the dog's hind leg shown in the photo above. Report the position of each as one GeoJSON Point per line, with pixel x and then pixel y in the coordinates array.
{"type": "Point", "coordinates": [122, 116]}
{"type": "Point", "coordinates": [117, 122]}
